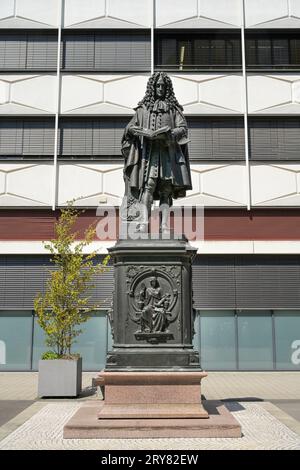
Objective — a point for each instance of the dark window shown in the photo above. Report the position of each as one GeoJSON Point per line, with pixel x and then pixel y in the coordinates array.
{"type": "Point", "coordinates": [197, 50]}
{"type": "Point", "coordinates": [77, 137]}
{"type": "Point", "coordinates": [273, 49]}
{"type": "Point", "coordinates": [106, 51]}
{"type": "Point", "coordinates": [26, 137]}
{"type": "Point", "coordinates": [216, 138]}
{"type": "Point", "coordinates": [274, 138]}
{"type": "Point", "coordinates": [91, 138]}
{"type": "Point", "coordinates": [28, 50]}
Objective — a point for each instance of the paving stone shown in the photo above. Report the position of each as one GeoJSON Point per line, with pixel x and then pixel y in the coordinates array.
{"type": "Point", "coordinates": [261, 430]}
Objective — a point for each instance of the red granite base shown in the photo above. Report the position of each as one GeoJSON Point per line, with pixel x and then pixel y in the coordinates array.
{"type": "Point", "coordinates": [85, 424]}
{"type": "Point", "coordinates": [149, 405]}
{"type": "Point", "coordinates": [151, 387]}
{"type": "Point", "coordinates": [153, 410]}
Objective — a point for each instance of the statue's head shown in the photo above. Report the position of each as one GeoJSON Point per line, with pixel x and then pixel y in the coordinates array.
{"type": "Point", "coordinates": [160, 87]}
{"type": "Point", "coordinates": [153, 281]}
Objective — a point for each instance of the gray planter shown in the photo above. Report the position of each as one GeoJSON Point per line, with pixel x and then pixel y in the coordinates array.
{"type": "Point", "coordinates": [60, 378]}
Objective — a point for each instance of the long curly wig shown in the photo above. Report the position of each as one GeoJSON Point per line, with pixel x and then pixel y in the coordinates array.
{"type": "Point", "coordinates": [149, 98]}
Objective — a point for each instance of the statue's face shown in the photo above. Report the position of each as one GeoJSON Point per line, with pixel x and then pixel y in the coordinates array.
{"type": "Point", "coordinates": [160, 89]}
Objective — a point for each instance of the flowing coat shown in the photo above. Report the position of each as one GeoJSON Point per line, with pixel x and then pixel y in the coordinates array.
{"type": "Point", "coordinates": [166, 161]}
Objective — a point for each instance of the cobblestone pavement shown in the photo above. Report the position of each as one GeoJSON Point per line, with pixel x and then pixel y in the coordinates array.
{"type": "Point", "coordinates": [217, 386]}
{"type": "Point", "coordinates": [261, 430]}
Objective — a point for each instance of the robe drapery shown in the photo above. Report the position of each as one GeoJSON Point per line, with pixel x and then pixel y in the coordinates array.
{"type": "Point", "coordinates": [164, 161]}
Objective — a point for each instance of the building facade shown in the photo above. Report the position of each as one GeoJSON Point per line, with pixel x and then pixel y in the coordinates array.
{"type": "Point", "coordinates": [71, 72]}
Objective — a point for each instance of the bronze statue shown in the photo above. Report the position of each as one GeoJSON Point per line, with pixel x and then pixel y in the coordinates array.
{"type": "Point", "coordinates": [154, 146]}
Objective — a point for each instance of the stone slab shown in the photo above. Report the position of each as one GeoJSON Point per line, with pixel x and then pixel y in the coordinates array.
{"type": "Point", "coordinates": [152, 387]}
{"type": "Point", "coordinates": [160, 410]}
{"type": "Point", "coordinates": [85, 424]}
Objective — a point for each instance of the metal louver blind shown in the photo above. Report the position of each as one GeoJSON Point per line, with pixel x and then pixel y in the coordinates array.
{"type": "Point", "coordinates": [213, 282]}
{"type": "Point", "coordinates": [274, 139]}
{"type": "Point", "coordinates": [216, 139]}
{"type": "Point", "coordinates": [26, 137]}
{"type": "Point", "coordinates": [93, 137]}
{"type": "Point", "coordinates": [78, 51]}
{"type": "Point", "coordinates": [38, 137]}
{"type": "Point", "coordinates": [12, 51]}
{"type": "Point", "coordinates": [224, 281]}
{"type": "Point", "coordinates": [268, 282]}
{"type": "Point", "coordinates": [246, 281]}
{"type": "Point", "coordinates": [42, 51]}
{"type": "Point", "coordinates": [107, 51]}
{"type": "Point", "coordinates": [11, 137]}
{"type": "Point", "coordinates": [28, 51]}
{"type": "Point", "coordinates": [23, 276]}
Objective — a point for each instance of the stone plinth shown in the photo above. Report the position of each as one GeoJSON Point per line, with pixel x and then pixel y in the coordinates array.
{"type": "Point", "coordinates": [86, 425]}
{"type": "Point", "coordinates": [152, 387]}
{"type": "Point", "coordinates": [152, 404]}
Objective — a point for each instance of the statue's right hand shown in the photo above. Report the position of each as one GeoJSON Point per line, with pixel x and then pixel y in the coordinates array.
{"type": "Point", "coordinates": [134, 130]}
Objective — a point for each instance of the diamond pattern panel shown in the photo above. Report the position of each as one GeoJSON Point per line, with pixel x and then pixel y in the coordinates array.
{"type": "Point", "coordinates": [27, 94]}
{"type": "Point", "coordinates": [275, 185]}
{"type": "Point", "coordinates": [198, 13]}
{"type": "Point", "coordinates": [29, 13]}
{"type": "Point", "coordinates": [94, 184]}
{"type": "Point", "coordinates": [108, 94]}
{"type": "Point", "coordinates": [107, 14]}
{"type": "Point", "coordinates": [272, 14]}
{"type": "Point", "coordinates": [25, 184]}
{"type": "Point", "coordinates": [213, 185]}
{"type": "Point", "coordinates": [274, 94]}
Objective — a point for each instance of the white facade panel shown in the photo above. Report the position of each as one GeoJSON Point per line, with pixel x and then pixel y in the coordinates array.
{"type": "Point", "coordinates": [25, 185]}
{"type": "Point", "coordinates": [274, 94]}
{"type": "Point", "coordinates": [94, 184]}
{"type": "Point", "coordinates": [101, 94]}
{"type": "Point", "coordinates": [212, 94]}
{"type": "Point", "coordinates": [272, 14]}
{"type": "Point", "coordinates": [275, 185]}
{"type": "Point", "coordinates": [222, 185]}
{"type": "Point", "coordinates": [27, 94]}
{"type": "Point", "coordinates": [90, 184]}
{"type": "Point", "coordinates": [108, 14]}
{"type": "Point", "coordinates": [198, 13]}
{"type": "Point", "coordinates": [33, 14]}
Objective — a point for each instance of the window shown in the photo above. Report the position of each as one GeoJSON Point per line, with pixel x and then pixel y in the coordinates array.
{"type": "Point", "coordinates": [91, 344]}
{"type": "Point", "coordinates": [26, 137]}
{"type": "Point", "coordinates": [15, 340]}
{"type": "Point", "coordinates": [248, 339]}
{"type": "Point", "coordinates": [217, 340]}
{"type": "Point", "coordinates": [287, 338]}
{"type": "Point", "coordinates": [255, 341]}
{"type": "Point", "coordinates": [106, 51]}
{"type": "Point", "coordinates": [216, 138]}
{"type": "Point", "coordinates": [273, 50]}
{"type": "Point", "coordinates": [274, 138]}
{"type": "Point", "coordinates": [93, 138]}
{"type": "Point", "coordinates": [198, 51]}
{"type": "Point", "coordinates": [28, 50]}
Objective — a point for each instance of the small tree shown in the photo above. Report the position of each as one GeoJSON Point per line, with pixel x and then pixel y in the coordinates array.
{"type": "Point", "coordinates": [65, 306]}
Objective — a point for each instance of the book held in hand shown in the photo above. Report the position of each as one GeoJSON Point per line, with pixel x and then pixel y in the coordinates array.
{"type": "Point", "coordinates": [149, 133]}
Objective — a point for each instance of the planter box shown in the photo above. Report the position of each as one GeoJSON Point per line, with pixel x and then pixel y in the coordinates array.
{"type": "Point", "coordinates": [60, 378]}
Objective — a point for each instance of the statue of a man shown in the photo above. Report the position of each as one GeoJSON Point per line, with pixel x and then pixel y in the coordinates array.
{"type": "Point", "coordinates": [154, 146]}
